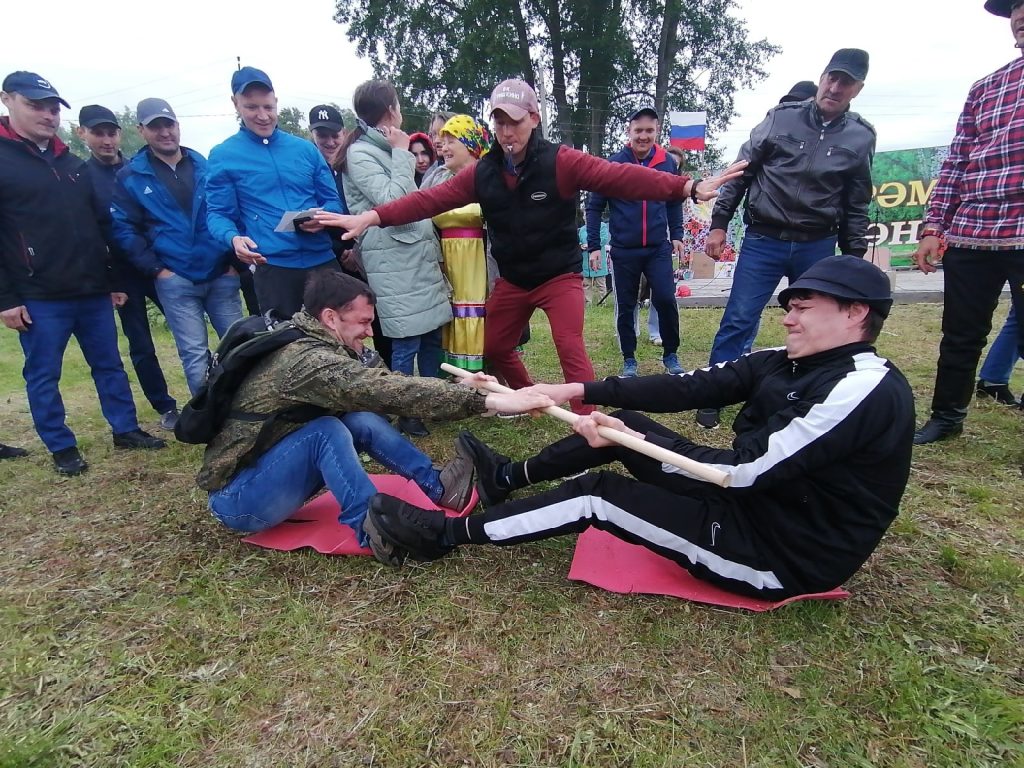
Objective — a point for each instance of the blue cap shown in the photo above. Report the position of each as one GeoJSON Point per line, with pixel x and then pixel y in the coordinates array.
{"type": "Point", "coordinates": [247, 76]}
{"type": "Point", "coordinates": [31, 86]}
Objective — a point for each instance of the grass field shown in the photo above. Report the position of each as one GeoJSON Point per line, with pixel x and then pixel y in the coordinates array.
{"type": "Point", "coordinates": [137, 632]}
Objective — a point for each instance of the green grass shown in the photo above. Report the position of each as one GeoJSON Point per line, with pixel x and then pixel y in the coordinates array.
{"type": "Point", "coordinates": [137, 632]}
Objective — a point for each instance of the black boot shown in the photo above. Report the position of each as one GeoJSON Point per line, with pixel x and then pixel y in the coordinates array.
{"type": "Point", "coordinates": [412, 426]}
{"type": "Point", "coordinates": [941, 426]}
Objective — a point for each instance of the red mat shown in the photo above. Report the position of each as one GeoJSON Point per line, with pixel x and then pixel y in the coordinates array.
{"type": "Point", "coordinates": [316, 523]}
{"type": "Point", "coordinates": [610, 563]}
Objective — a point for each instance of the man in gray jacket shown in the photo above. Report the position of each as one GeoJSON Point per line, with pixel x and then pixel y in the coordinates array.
{"type": "Point", "coordinates": [807, 185]}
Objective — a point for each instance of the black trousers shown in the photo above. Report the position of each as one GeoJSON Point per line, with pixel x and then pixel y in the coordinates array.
{"type": "Point", "coordinates": [973, 283]}
{"type": "Point", "coordinates": [279, 289]}
{"type": "Point", "coordinates": [696, 524]}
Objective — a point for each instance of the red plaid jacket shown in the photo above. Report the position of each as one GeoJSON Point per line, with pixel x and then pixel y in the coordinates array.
{"type": "Point", "coordinates": [979, 197]}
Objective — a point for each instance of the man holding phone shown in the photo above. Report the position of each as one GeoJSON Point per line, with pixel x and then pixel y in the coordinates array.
{"type": "Point", "coordinates": [258, 175]}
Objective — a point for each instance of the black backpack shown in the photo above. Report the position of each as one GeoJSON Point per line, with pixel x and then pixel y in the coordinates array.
{"type": "Point", "coordinates": [246, 342]}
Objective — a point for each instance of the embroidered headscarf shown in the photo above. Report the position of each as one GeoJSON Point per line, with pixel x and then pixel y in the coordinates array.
{"type": "Point", "coordinates": [472, 134]}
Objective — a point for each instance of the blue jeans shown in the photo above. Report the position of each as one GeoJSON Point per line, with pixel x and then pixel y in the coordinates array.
{"type": "Point", "coordinates": [628, 264]}
{"type": "Point", "coordinates": [323, 452]}
{"type": "Point", "coordinates": [186, 305]}
{"type": "Point", "coordinates": [91, 321]}
{"type": "Point", "coordinates": [424, 349]}
{"type": "Point", "coordinates": [135, 326]}
{"type": "Point", "coordinates": [762, 263]}
{"type": "Point", "coordinates": [1003, 354]}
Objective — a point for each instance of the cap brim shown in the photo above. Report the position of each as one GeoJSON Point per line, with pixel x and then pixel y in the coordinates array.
{"type": "Point", "coordinates": [514, 111]}
{"type": "Point", "coordinates": [858, 76]}
{"type": "Point", "coordinates": [647, 111]}
{"type": "Point", "coordinates": [325, 124]}
{"type": "Point", "coordinates": [39, 95]}
{"type": "Point", "coordinates": [151, 118]}
{"type": "Point", "coordinates": [100, 121]}
{"type": "Point", "coordinates": [242, 88]}
{"type": "Point", "coordinates": [834, 290]}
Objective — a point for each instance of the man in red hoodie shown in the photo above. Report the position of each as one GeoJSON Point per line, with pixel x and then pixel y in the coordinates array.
{"type": "Point", "coordinates": [528, 188]}
{"type": "Point", "coordinates": [53, 271]}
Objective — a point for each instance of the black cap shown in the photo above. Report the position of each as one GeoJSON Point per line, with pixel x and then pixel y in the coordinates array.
{"type": "Point", "coordinates": [1000, 7]}
{"type": "Point", "coordinates": [643, 112]}
{"type": "Point", "coordinates": [801, 91]}
{"type": "Point", "coordinates": [31, 86]}
{"type": "Point", "coordinates": [326, 116]}
{"type": "Point", "coordinates": [92, 115]}
{"type": "Point", "coordinates": [852, 61]}
{"type": "Point", "coordinates": [845, 277]}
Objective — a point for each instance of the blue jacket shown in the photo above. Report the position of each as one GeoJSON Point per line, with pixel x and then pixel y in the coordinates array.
{"type": "Point", "coordinates": [149, 225]}
{"type": "Point", "coordinates": [253, 181]}
{"type": "Point", "coordinates": [636, 223]}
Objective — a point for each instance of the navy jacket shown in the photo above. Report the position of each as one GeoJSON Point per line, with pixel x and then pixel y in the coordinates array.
{"type": "Point", "coordinates": [636, 223]}
{"type": "Point", "coordinates": [51, 246]}
{"type": "Point", "coordinates": [153, 230]}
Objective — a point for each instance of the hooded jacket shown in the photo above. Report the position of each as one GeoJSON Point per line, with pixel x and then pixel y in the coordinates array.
{"type": "Point", "coordinates": [252, 181]}
{"type": "Point", "coordinates": [805, 176]}
{"type": "Point", "coordinates": [636, 223]}
{"type": "Point", "coordinates": [51, 246]}
{"type": "Point", "coordinates": [150, 226]}
{"type": "Point", "coordinates": [402, 263]}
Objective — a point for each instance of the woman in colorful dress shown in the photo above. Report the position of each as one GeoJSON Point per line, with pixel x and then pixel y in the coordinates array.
{"type": "Point", "coordinates": [463, 140]}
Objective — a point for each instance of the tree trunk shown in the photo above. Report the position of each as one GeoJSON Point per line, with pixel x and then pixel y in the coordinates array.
{"type": "Point", "coordinates": [525, 61]}
{"type": "Point", "coordinates": [668, 47]}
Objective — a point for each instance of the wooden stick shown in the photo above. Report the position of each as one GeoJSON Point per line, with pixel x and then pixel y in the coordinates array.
{"type": "Point", "coordinates": [694, 468]}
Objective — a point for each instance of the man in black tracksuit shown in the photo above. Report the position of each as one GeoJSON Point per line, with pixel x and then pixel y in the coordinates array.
{"type": "Point", "coordinates": [819, 464]}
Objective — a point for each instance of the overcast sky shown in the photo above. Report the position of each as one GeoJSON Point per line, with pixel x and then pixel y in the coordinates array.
{"type": "Point", "coordinates": [924, 57]}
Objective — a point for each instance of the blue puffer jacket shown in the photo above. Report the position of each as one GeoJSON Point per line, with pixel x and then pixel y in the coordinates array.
{"type": "Point", "coordinates": [636, 223]}
{"type": "Point", "coordinates": [153, 230]}
{"type": "Point", "coordinates": [253, 181]}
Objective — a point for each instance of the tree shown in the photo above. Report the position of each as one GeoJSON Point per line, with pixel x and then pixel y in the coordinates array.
{"type": "Point", "coordinates": [602, 58]}
{"type": "Point", "coordinates": [131, 141]}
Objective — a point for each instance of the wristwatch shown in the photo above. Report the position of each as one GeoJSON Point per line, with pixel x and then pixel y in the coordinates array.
{"type": "Point", "coordinates": [930, 230]}
{"type": "Point", "coordinates": [693, 189]}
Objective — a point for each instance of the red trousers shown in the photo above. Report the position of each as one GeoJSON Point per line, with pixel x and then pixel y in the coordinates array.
{"type": "Point", "coordinates": [509, 309]}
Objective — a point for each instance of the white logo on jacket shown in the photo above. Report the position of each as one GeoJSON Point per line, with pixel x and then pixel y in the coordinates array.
{"type": "Point", "coordinates": [538, 196]}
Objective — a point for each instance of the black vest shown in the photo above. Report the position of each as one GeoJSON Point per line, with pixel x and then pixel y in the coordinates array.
{"type": "Point", "coordinates": [532, 230]}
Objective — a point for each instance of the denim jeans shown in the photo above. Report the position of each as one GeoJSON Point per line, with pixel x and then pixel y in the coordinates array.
{"type": "Point", "coordinates": [763, 261]}
{"type": "Point", "coordinates": [135, 326]}
{"type": "Point", "coordinates": [186, 305]}
{"type": "Point", "coordinates": [323, 452]}
{"type": "Point", "coordinates": [91, 321]}
{"type": "Point", "coordinates": [424, 350]}
{"type": "Point", "coordinates": [1003, 354]}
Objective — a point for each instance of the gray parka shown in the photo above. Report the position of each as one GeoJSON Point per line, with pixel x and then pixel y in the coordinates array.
{"type": "Point", "coordinates": [403, 262]}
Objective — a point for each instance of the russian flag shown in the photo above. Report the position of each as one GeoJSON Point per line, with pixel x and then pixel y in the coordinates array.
{"type": "Point", "coordinates": [688, 130]}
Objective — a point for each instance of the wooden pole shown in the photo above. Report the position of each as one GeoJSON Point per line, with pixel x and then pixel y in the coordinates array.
{"type": "Point", "coordinates": [693, 468]}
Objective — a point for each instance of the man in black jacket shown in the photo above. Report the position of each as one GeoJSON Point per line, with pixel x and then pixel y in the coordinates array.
{"type": "Point", "coordinates": [818, 467]}
{"type": "Point", "coordinates": [808, 183]}
{"type": "Point", "coordinates": [53, 271]}
{"type": "Point", "coordinates": [99, 129]}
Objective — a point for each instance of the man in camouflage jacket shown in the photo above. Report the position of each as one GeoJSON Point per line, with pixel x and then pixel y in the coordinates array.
{"type": "Point", "coordinates": [254, 486]}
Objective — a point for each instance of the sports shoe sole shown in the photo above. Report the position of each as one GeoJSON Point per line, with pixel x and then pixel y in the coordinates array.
{"type": "Point", "coordinates": [384, 550]}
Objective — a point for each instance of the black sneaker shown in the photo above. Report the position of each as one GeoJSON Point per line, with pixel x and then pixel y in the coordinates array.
{"type": "Point", "coordinates": [418, 532]}
{"type": "Point", "coordinates": [138, 440]}
{"type": "Point", "coordinates": [999, 392]}
{"type": "Point", "coordinates": [69, 462]}
{"type": "Point", "coordinates": [412, 426]}
{"type": "Point", "coordinates": [709, 418]}
{"type": "Point", "coordinates": [486, 460]}
{"type": "Point", "coordinates": [10, 452]}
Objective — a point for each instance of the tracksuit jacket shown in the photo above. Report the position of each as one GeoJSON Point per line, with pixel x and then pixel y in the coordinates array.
{"type": "Point", "coordinates": [636, 223]}
{"type": "Point", "coordinates": [150, 226]}
{"type": "Point", "coordinates": [51, 246]}
{"type": "Point", "coordinates": [253, 180]}
{"type": "Point", "coordinates": [821, 456]}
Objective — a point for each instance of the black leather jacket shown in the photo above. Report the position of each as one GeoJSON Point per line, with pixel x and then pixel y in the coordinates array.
{"type": "Point", "coordinates": [805, 177]}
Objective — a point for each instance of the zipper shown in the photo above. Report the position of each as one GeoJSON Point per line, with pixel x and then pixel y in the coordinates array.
{"type": "Point", "coordinates": [27, 254]}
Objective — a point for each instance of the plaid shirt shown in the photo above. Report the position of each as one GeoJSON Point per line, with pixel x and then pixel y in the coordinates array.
{"type": "Point", "coordinates": [979, 197]}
